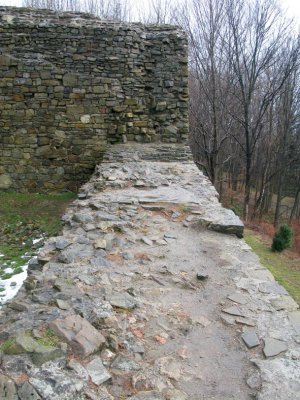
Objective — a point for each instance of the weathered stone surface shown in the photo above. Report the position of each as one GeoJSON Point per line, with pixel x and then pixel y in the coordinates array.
{"type": "Point", "coordinates": [254, 380]}
{"type": "Point", "coordinates": [151, 395]}
{"type": "Point", "coordinates": [23, 343]}
{"type": "Point", "coordinates": [147, 241]}
{"type": "Point", "coordinates": [54, 383]}
{"type": "Point", "coordinates": [202, 321]}
{"type": "Point", "coordinates": [170, 367]}
{"type": "Point", "coordinates": [82, 217]}
{"type": "Point", "coordinates": [250, 338]}
{"type": "Point", "coordinates": [98, 373]}
{"type": "Point", "coordinates": [75, 251]}
{"type": "Point", "coordinates": [175, 394]}
{"type": "Point", "coordinates": [165, 342]}
{"type": "Point", "coordinates": [62, 243]}
{"type": "Point", "coordinates": [43, 354]}
{"type": "Point", "coordinates": [273, 347]}
{"type": "Point", "coordinates": [124, 363]}
{"type": "Point", "coordinates": [295, 320]}
{"type": "Point", "coordinates": [233, 311]}
{"type": "Point", "coordinates": [284, 303]}
{"type": "Point", "coordinates": [5, 181]}
{"type": "Point", "coordinates": [238, 298]}
{"type": "Point", "coordinates": [27, 392]}
{"type": "Point", "coordinates": [280, 379]}
{"type": "Point", "coordinates": [100, 244]}
{"type": "Point", "coordinates": [228, 223]}
{"type": "Point", "coordinates": [79, 369]}
{"type": "Point", "coordinates": [63, 305]}
{"type": "Point", "coordinates": [122, 300]}
{"type": "Point", "coordinates": [18, 306]}
{"type": "Point", "coordinates": [8, 389]}
{"type": "Point", "coordinates": [59, 113]}
{"type": "Point", "coordinates": [272, 287]}
{"type": "Point", "coordinates": [79, 333]}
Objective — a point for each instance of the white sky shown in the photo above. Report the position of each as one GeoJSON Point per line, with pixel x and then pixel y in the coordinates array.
{"type": "Point", "coordinates": [292, 7]}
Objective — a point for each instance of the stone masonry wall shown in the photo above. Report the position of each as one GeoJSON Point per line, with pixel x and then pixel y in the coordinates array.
{"type": "Point", "coordinates": [70, 84]}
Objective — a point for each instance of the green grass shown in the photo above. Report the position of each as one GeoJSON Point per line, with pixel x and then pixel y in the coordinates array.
{"type": "Point", "coordinates": [286, 269]}
{"type": "Point", "coordinates": [49, 338]}
{"type": "Point", "coordinates": [37, 210]}
{"type": "Point", "coordinates": [27, 216]}
{"type": "Point", "coordinates": [8, 347]}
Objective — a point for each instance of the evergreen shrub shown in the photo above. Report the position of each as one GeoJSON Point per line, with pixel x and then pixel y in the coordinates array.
{"type": "Point", "coordinates": [283, 238]}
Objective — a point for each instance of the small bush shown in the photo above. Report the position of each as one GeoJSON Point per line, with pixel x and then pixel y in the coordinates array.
{"type": "Point", "coordinates": [283, 238]}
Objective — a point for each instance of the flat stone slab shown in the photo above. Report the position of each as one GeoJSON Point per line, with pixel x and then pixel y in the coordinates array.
{"type": "Point", "coordinates": [170, 367]}
{"type": "Point", "coordinates": [233, 311]}
{"type": "Point", "coordinates": [27, 392]}
{"type": "Point", "coordinates": [54, 383]}
{"type": "Point", "coordinates": [260, 274]}
{"type": "Point", "coordinates": [245, 321]}
{"type": "Point", "coordinates": [294, 317]}
{"type": "Point", "coordinates": [147, 241]}
{"type": "Point", "coordinates": [228, 223]}
{"type": "Point", "coordinates": [61, 243]}
{"type": "Point", "coordinates": [272, 287]}
{"type": "Point", "coordinates": [122, 300]}
{"type": "Point", "coordinates": [79, 333]}
{"type": "Point", "coordinates": [273, 347]}
{"type": "Point", "coordinates": [217, 219]}
{"type": "Point", "coordinates": [124, 363]}
{"type": "Point", "coordinates": [202, 321]}
{"type": "Point", "coordinates": [82, 217]}
{"type": "Point", "coordinates": [284, 303]}
{"type": "Point", "coordinates": [238, 298]}
{"type": "Point", "coordinates": [97, 372]}
{"type": "Point", "coordinates": [152, 395]}
{"type": "Point", "coordinates": [250, 338]}
{"type": "Point", "coordinates": [103, 216]}
{"type": "Point", "coordinates": [7, 388]}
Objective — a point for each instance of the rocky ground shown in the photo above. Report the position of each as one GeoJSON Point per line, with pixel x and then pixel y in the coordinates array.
{"type": "Point", "coordinates": [143, 296]}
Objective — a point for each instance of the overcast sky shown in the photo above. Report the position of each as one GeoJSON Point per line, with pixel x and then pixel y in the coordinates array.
{"type": "Point", "coordinates": [291, 6]}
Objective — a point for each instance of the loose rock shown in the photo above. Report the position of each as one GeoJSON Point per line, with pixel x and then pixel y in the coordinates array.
{"type": "Point", "coordinates": [98, 373]}
{"type": "Point", "coordinates": [250, 338]}
{"type": "Point", "coordinates": [79, 333]}
{"type": "Point", "coordinates": [273, 347]}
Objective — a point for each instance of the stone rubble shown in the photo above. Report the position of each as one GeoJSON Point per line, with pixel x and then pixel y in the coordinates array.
{"type": "Point", "coordinates": [132, 319]}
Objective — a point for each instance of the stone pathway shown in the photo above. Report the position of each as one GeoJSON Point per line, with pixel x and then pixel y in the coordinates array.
{"type": "Point", "coordinates": [141, 298]}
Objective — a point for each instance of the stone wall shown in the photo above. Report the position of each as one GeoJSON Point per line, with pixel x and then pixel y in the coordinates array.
{"type": "Point", "coordinates": [70, 84]}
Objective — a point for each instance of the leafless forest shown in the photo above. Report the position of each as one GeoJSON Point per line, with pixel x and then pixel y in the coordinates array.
{"type": "Point", "coordinates": [244, 93]}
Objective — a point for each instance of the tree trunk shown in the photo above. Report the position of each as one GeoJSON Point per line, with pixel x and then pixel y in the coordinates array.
{"type": "Point", "coordinates": [278, 202]}
{"type": "Point", "coordinates": [247, 187]}
{"type": "Point", "coordinates": [295, 205]}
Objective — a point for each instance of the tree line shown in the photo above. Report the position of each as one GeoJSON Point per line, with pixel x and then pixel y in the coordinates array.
{"type": "Point", "coordinates": [244, 91]}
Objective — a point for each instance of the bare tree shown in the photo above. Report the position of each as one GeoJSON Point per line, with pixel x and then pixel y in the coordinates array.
{"type": "Point", "coordinates": [109, 9]}
{"type": "Point", "coordinates": [157, 11]}
{"type": "Point", "coordinates": [209, 84]}
{"type": "Point", "coordinates": [258, 35]}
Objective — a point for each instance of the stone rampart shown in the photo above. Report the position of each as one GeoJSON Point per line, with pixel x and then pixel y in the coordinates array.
{"type": "Point", "coordinates": [70, 84]}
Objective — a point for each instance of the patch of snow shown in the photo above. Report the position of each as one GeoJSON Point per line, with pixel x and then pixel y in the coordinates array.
{"type": "Point", "coordinates": [12, 285]}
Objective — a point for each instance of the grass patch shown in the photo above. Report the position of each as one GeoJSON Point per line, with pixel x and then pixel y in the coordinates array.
{"type": "Point", "coordinates": [27, 216]}
{"type": "Point", "coordinates": [8, 346]}
{"type": "Point", "coordinates": [37, 211]}
{"type": "Point", "coordinates": [284, 267]}
{"type": "Point", "coordinates": [48, 338]}
{"type": "Point", "coordinates": [7, 275]}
